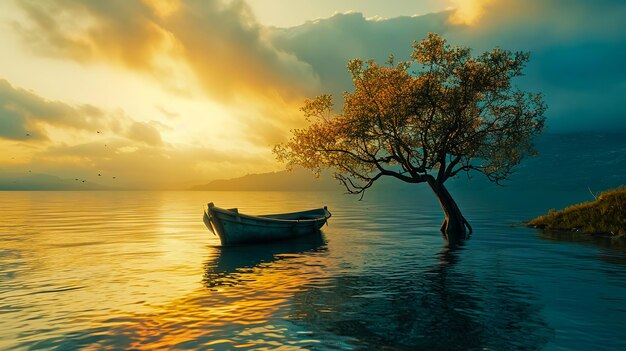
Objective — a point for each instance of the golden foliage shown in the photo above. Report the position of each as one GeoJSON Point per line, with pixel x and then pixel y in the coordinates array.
{"type": "Point", "coordinates": [456, 113]}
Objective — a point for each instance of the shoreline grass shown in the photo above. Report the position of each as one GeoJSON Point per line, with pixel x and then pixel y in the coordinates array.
{"type": "Point", "coordinates": [604, 216]}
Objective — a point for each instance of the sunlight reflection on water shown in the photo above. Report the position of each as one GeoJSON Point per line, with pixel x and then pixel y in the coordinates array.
{"type": "Point", "coordinates": [138, 270]}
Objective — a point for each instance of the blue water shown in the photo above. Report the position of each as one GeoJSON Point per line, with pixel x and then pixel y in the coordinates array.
{"type": "Point", "coordinates": [138, 270]}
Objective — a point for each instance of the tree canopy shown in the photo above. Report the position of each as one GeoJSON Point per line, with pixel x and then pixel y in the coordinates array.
{"type": "Point", "coordinates": [426, 120]}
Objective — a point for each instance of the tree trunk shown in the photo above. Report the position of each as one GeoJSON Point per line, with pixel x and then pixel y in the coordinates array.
{"type": "Point", "coordinates": [454, 226]}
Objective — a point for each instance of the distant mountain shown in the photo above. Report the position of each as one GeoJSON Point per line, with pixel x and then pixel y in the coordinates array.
{"type": "Point", "coordinates": [573, 161]}
{"type": "Point", "coordinates": [298, 179]}
{"type": "Point", "coordinates": [37, 181]}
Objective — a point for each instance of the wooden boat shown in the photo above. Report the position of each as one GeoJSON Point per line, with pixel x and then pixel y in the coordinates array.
{"type": "Point", "coordinates": [234, 228]}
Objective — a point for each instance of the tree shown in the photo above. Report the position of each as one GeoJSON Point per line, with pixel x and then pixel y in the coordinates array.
{"type": "Point", "coordinates": [456, 113]}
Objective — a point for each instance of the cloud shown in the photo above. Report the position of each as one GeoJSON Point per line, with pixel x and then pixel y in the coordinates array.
{"type": "Point", "coordinates": [144, 132]}
{"type": "Point", "coordinates": [263, 73]}
{"type": "Point", "coordinates": [24, 115]}
{"type": "Point", "coordinates": [226, 48]}
{"type": "Point", "coordinates": [219, 41]}
{"type": "Point", "coordinates": [14, 125]}
{"type": "Point", "coordinates": [577, 50]}
{"type": "Point", "coordinates": [167, 113]}
{"type": "Point", "coordinates": [328, 44]}
{"type": "Point", "coordinates": [120, 31]}
{"type": "Point", "coordinates": [217, 46]}
{"type": "Point", "coordinates": [87, 142]}
{"type": "Point", "coordinates": [28, 117]}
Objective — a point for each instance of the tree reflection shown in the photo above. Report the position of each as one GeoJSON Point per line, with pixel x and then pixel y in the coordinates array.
{"type": "Point", "coordinates": [454, 242]}
{"type": "Point", "coordinates": [226, 267]}
{"type": "Point", "coordinates": [440, 308]}
{"type": "Point", "coordinates": [608, 242]}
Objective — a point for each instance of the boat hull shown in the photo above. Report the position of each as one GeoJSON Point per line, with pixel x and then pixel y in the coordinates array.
{"type": "Point", "coordinates": [234, 228]}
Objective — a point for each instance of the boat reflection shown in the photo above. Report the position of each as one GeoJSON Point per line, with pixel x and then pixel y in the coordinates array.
{"type": "Point", "coordinates": [228, 266]}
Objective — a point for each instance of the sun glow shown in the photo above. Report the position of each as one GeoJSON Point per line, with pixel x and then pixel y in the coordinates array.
{"type": "Point", "coordinates": [468, 12]}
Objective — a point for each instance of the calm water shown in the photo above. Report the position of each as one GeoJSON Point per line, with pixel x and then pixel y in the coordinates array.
{"type": "Point", "coordinates": [138, 270]}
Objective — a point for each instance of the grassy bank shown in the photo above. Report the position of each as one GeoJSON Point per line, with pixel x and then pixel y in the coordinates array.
{"type": "Point", "coordinates": [606, 215]}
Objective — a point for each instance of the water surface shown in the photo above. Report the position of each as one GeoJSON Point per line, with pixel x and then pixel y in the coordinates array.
{"type": "Point", "coordinates": [138, 270]}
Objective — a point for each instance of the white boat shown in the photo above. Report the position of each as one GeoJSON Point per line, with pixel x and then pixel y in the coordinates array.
{"type": "Point", "coordinates": [234, 228]}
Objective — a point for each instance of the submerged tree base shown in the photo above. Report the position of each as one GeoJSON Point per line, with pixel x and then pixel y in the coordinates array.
{"type": "Point", "coordinates": [604, 216]}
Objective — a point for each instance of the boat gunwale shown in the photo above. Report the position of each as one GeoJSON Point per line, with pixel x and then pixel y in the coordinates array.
{"type": "Point", "coordinates": [277, 225]}
{"type": "Point", "coordinates": [269, 219]}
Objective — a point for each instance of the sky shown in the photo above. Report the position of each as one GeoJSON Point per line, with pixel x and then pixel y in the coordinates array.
{"type": "Point", "coordinates": [169, 94]}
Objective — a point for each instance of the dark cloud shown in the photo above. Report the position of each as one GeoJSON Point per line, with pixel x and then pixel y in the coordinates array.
{"type": "Point", "coordinates": [14, 125]}
{"type": "Point", "coordinates": [328, 44]}
{"type": "Point", "coordinates": [577, 51]}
